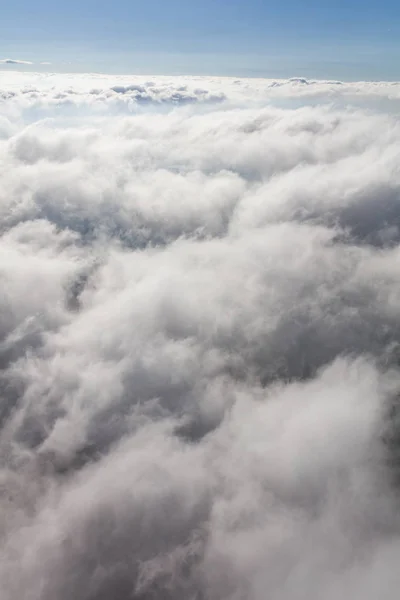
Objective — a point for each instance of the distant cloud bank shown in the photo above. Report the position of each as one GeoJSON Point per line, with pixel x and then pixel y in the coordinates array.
{"type": "Point", "coordinates": [126, 93]}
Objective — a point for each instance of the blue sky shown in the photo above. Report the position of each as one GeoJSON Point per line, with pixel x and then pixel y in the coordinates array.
{"type": "Point", "coordinates": [341, 39]}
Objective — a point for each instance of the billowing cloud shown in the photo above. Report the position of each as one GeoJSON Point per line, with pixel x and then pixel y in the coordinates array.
{"type": "Point", "coordinates": [199, 339]}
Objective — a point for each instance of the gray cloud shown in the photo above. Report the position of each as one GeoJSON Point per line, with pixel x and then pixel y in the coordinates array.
{"type": "Point", "coordinates": [199, 340]}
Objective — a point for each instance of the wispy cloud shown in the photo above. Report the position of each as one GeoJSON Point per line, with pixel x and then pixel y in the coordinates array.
{"type": "Point", "coordinates": [15, 61]}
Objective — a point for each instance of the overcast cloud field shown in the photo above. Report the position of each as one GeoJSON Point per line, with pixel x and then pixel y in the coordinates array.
{"type": "Point", "coordinates": [199, 338]}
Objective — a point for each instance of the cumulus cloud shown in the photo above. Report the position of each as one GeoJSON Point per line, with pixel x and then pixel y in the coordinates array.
{"type": "Point", "coordinates": [199, 339]}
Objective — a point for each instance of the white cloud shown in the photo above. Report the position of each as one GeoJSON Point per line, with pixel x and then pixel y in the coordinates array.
{"type": "Point", "coordinates": [199, 333]}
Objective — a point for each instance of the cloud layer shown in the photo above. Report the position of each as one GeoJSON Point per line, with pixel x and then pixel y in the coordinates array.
{"type": "Point", "coordinates": [199, 339]}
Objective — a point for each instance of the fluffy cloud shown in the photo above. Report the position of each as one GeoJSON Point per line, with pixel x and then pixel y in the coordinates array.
{"type": "Point", "coordinates": [199, 339]}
